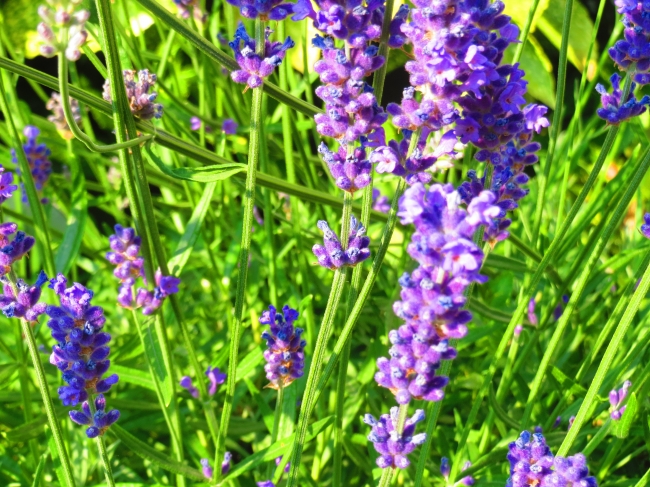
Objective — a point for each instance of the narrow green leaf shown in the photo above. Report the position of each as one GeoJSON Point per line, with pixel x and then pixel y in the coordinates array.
{"type": "Point", "coordinates": [38, 475]}
{"type": "Point", "coordinates": [147, 452]}
{"type": "Point", "coordinates": [248, 364]}
{"type": "Point", "coordinates": [30, 430]}
{"type": "Point", "coordinates": [207, 174]}
{"type": "Point", "coordinates": [154, 353]}
{"type": "Point", "coordinates": [74, 230]}
{"type": "Point", "coordinates": [566, 383]}
{"type": "Point", "coordinates": [622, 429]}
{"type": "Point", "coordinates": [6, 371]}
{"type": "Point", "coordinates": [192, 230]}
{"type": "Point", "coordinates": [133, 376]}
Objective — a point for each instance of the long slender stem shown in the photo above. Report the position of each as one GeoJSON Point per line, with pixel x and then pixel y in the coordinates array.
{"type": "Point", "coordinates": [386, 477]}
{"type": "Point", "coordinates": [47, 402]}
{"type": "Point", "coordinates": [24, 390]}
{"type": "Point", "coordinates": [249, 203]}
{"type": "Point", "coordinates": [106, 462]}
{"type": "Point", "coordinates": [277, 418]}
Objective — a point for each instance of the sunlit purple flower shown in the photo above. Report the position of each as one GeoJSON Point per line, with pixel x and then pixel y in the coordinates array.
{"type": "Point", "coordinates": [37, 158]}
{"type": "Point", "coordinates": [532, 317]}
{"type": "Point", "coordinates": [98, 422]}
{"type": "Point", "coordinates": [13, 250]}
{"type": "Point", "coordinates": [25, 304]}
{"type": "Point", "coordinates": [351, 171]}
{"type": "Point", "coordinates": [141, 100]}
{"type": "Point", "coordinates": [186, 383]}
{"type": "Point", "coordinates": [285, 349]}
{"type": "Point", "coordinates": [468, 480]}
{"type": "Point", "coordinates": [615, 110]}
{"type": "Point", "coordinates": [645, 228]}
{"type": "Point", "coordinates": [616, 398]}
{"type": "Point", "coordinates": [332, 255]}
{"type": "Point", "coordinates": [229, 126]}
{"type": "Point", "coordinates": [216, 378]}
{"type": "Point", "coordinates": [195, 123]}
{"type": "Point", "coordinates": [518, 330]}
{"type": "Point", "coordinates": [393, 447]}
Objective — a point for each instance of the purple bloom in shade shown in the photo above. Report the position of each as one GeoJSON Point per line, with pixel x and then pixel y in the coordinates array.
{"type": "Point", "coordinates": [645, 228]}
{"type": "Point", "coordinates": [557, 312]}
{"type": "Point", "coordinates": [98, 422]}
{"type": "Point", "coordinates": [206, 468]}
{"type": "Point", "coordinates": [396, 38]}
{"type": "Point", "coordinates": [532, 317]}
{"type": "Point", "coordinates": [332, 256]}
{"type": "Point", "coordinates": [7, 187]}
{"type": "Point", "coordinates": [518, 330]}
{"type": "Point", "coordinates": [571, 420]}
{"type": "Point", "coordinates": [184, 7]}
{"type": "Point", "coordinates": [165, 286]}
{"type": "Point", "coordinates": [616, 398]}
{"type": "Point", "coordinates": [186, 383]}
{"type": "Point", "coordinates": [467, 480]}
{"type": "Point", "coordinates": [37, 158]}
{"type": "Point", "coordinates": [81, 352]}
{"type": "Point", "coordinates": [225, 464]}
{"type": "Point", "coordinates": [351, 172]}
{"type": "Point", "coordinates": [533, 463]}
{"type": "Point", "coordinates": [138, 85]}
{"type": "Point", "coordinates": [14, 249]}
{"type": "Point", "coordinates": [216, 378]}
{"type": "Point", "coordinates": [287, 467]}
{"type": "Point", "coordinates": [25, 304]}
{"type": "Point", "coordinates": [285, 349]}
{"type": "Point", "coordinates": [195, 123]}
{"type": "Point", "coordinates": [393, 447]}
{"type": "Point", "coordinates": [254, 68]}
{"type": "Point", "coordinates": [380, 202]}
{"type": "Point", "coordinates": [125, 253]}
{"type": "Point", "coordinates": [229, 126]}
{"type": "Point", "coordinates": [266, 483]}
{"type": "Point", "coordinates": [445, 467]}
{"type": "Point", "coordinates": [615, 110]}
{"type": "Point", "coordinates": [557, 422]}
{"type": "Point", "coordinates": [58, 116]}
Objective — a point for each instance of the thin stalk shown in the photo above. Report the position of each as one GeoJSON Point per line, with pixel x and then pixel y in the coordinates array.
{"type": "Point", "coordinates": [277, 418]}
{"type": "Point", "coordinates": [74, 128]}
{"type": "Point", "coordinates": [386, 477]}
{"type": "Point", "coordinates": [106, 462]}
{"type": "Point", "coordinates": [380, 75]}
{"type": "Point", "coordinates": [249, 203]}
{"type": "Point", "coordinates": [606, 362]}
{"type": "Point", "coordinates": [40, 225]}
{"type": "Point", "coordinates": [24, 391]}
{"type": "Point", "coordinates": [579, 287]}
{"type": "Point", "coordinates": [523, 37]}
{"type": "Point", "coordinates": [52, 420]}
{"type": "Point", "coordinates": [557, 121]}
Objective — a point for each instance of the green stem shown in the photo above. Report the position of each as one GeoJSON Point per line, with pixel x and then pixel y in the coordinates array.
{"type": "Point", "coordinates": [249, 203]}
{"type": "Point", "coordinates": [277, 418]}
{"type": "Point", "coordinates": [523, 37]}
{"type": "Point", "coordinates": [579, 287]}
{"type": "Point", "coordinates": [74, 128]}
{"type": "Point", "coordinates": [386, 477]}
{"type": "Point", "coordinates": [24, 390]}
{"type": "Point", "coordinates": [380, 75]}
{"type": "Point", "coordinates": [613, 347]}
{"type": "Point", "coordinates": [47, 402]}
{"type": "Point", "coordinates": [106, 462]}
{"type": "Point", "coordinates": [557, 121]}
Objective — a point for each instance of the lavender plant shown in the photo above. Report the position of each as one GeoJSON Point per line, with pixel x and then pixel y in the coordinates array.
{"type": "Point", "coordinates": [278, 173]}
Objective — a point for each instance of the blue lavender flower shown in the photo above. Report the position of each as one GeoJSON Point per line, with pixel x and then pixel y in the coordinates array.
{"type": "Point", "coordinates": [332, 256]}
{"type": "Point", "coordinates": [533, 463]}
{"type": "Point", "coordinates": [229, 126]}
{"type": "Point", "coordinates": [138, 85]}
{"type": "Point", "coordinates": [393, 447]}
{"type": "Point", "coordinates": [380, 202]}
{"type": "Point", "coordinates": [99, 420]}
{"type": "Point", "coordinates": [616, 398]}
{"type": "Point", "coordinates": [38, 159]}
{"type": "Point", "coordinates": [285, 352]}
{"type": "Point", "coordinates": [559, 309]}
{"type": "Point", "coordinates": [81, 352]}
{"type": "Point", "coordinates": [13, 250]}
{"type": "Point", "coordinates": [264, 9]}
{"type": "Point", "coordinates": [532, 317]}
{"type": "Point", "coordinates": [468, 480]}
{"type": "Point", "coordinates": [254, 68]}
{"type": "Point", "coordinates": [207, 470]}
{"type": "Point", "coordinates": [25, 303]}
{"type": "Point", "coordinates": [350, 171]}
{"type": "Point", "coordinates": [645, 228]}
{"type": "Point", "coordinates": [614, 110]}
{"type": "Point", "coordinates": [445, 467]}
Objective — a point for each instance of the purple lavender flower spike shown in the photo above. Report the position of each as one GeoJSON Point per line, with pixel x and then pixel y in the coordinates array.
{"type": "Point", "coordinates": [195, 123]}
{"type": "Point", "coordinates": [518, 330]}
{"type": "Point", "coordinates": [285, 352]}
{"type": "Point", "coordinates": [186, 383]}
{"type": "Point", "coordinates": [533, 463]}
{"type": "Point", "coordinates": [206, 469]}
{"type": "Point", "coordinates": [24, 305]}
{"type": "Point", "coordinates": [216, 378]}
{"type": "Point", "coordinates": [351, 172]}
{"type": "Point", "coordinates": [615, 110]}
{"type": "Point", "coordinates": [37, 158]}
{"type": "Point", "coordinates": [81, 352]}
{"type": "Point", "coordinates": [616, 398]}
{"type": "Point", "coordinates": [645, 228]}
{"type": "Point", "coordinates": [467, 480]}
{"type": "Point", "coordinates": [394, 448]}
{"type": "Point", "coordinates": [532, 317]}
{"type": "Point", "coordinates": [13, 250]}
{"type": "Point", "coordinates": [98, 422]}
{"type": "Point", "coordinates": [332, 256]}
{"type": "Point", "coordinates": [266, 483]}
{"type": "Point", "coordinates": [141, 100]}
{"type": "Point", "coordinates": [559, 309]}
{"type": "Point", "coordinates": [254, 68]}
{"type": "Point", "coordinates": [185, 6]}
{"type": "Point", "coordinates": [225, 464]}
{"type": "Point", "coordinates": [7, 187]}
{"type": "Point", "coordinates": [380, 202]}
{"type": "Point", "coordinates": [125, 253]}
{"type": "Point", "coordinates": [557, 422]}
{"type": "Point", "coordinates": [229, 126]}
{"type": "Point", "coordinates": [58, 117]}
{"type": "Point", "coordinates": [445, 468]}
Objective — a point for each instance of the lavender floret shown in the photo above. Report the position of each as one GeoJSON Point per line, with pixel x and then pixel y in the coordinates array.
{"type": "Point", "coordinates": [37, 158]}
{"type": "Point", "coordinates": [616, 398]}
{"type": "Point", "coordinates": [332, 255]}
{"type": "Point", "coordinates": [141, 100]}
{"type": "Point", "coordinates": [98, 422]}
{"type": "Point", "coordinates": [26, 303]}
{"type": "Point", "coordinates": [615, 110]}
{"type": "Point", "coordinates": [285, 352]}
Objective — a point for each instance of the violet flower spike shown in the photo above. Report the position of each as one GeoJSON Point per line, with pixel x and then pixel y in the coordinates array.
{"type": "Point", "coordinates": [216, 378]}
{"type": "Point", "coordinates": [332, 255]}
{"type": "Point", "coordinates": [138, 86]}
{"type": "Point", "coordinates": [616, 398]}
{"type": "Point", "coordinates": [285, 352]}
{"type": "Point", "coordinates": [98, 422]}
{"type": "Point", "coordinates": [186, 383]}
{"type": "Point", "coordinates": [615, 110]}
{"type": "Point", "coordinates": [532, 317]}
{"type": "Point", "coordinates": [57, 117]}
{"type": "Point", "coordinates": [25, 304]}
{"type": "Point", "coordinates": [394, 448]}
{"type": "Point", "coordinates": [15, 249]}
{"type": "Point", "coordinates": [645, 228]}
{"type": "Point", "coordinates": [37, 158]}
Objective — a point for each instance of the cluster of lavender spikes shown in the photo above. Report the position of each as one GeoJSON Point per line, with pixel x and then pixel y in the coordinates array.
{"type": "Point", "coordinates": [62, 28]}
{"type": "Point", "coordinates": [81, 354]}
{"type": "Point", "coordinates": [214, 375]}
{"type": "Point", "coordinates": [256, 67]}
{"type": "Point", "coordinates": [138, 86]}
{"type": "Point", "coordinates": [533, 463]}
{"type": "Point", "coordinates": [285, 349]}
{"type": "Point", "coordinates": [631, 55]}
{"type": "Point", "coordinates": [129, 266]}
{"type": "Point", "coordinates": [54, 104]}
{"type": "Point", "coordinates": [37, 158]}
